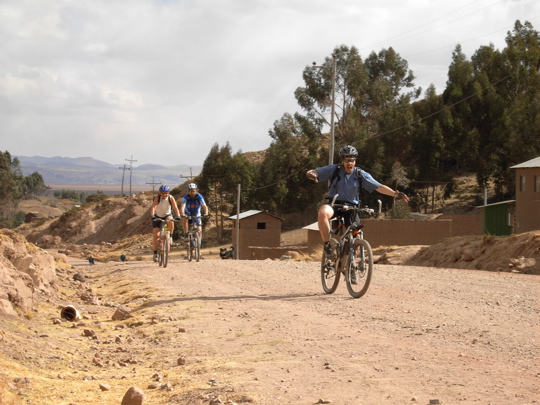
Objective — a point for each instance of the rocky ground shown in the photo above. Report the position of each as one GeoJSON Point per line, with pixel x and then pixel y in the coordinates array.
{"type": "Point", "coordinates": [264, 333]}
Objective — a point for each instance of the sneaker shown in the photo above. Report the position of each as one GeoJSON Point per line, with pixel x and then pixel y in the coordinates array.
{"type": "Point", "coordinates": [155, 257]}
{"type": "Point", "coordinates": [330, 254]}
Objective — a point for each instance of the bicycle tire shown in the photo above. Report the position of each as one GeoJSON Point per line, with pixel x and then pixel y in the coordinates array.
{"type": "Point", "coordinates": [160, 252]}
{"type": "Point", "coordinates": [359, 268]}
{"type": "Point", "coordinates": [166, 249]}
{"type": "Point", "coordinates": [189, 251]}
{"type": "Point", "coordinates": [197, 246]}
{"type": "Point", "coordinates": [330, 274]}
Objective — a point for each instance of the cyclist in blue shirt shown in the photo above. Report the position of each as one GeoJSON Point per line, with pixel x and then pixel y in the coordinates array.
{"type": "Point", "coordinates": [191, 205]}
{"type": "Point", "coordinates": [346, 181]}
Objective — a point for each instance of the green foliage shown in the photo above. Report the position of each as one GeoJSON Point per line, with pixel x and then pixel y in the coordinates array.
{"type": "Point", "coordinates": [34, 184]}
{"type": "Point", "coordinates": [70, 195]}
{"type": "Point", "coordinates": [97, 197]}
{"type": "Point", "coordinates": [11, 188]}
{"type": "Point", "coordinates": [18, 219]}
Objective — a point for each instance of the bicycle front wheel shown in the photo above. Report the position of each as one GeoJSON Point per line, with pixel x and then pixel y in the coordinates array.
{"type": "Point", "coordinates": [160, 252]}
{"type": "Point", "coordinates": [330, 274]}
{"type": "Point", "coordinates": [166, 248]}
{"type": "Point", "coordinates": [189, 248]}
{"type": "Point", "coordinates": [359, 268]}
{"type": "Point", "coordinates": [197, 246]}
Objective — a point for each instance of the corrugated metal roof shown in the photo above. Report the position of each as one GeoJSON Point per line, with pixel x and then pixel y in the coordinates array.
{"type": "Point", "coordinates": [246, 214]}
{"type": "Point", "coordinates": [529, 163]}
{"type": "Point", "coordinates": [250, 213]}
{"type": "Point", "coordinates": [497, 203]}
{"type": "Point", "coordinates": [313, 227]}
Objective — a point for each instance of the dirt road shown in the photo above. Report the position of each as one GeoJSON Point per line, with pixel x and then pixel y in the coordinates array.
{"type": "Point", "coordinates": [264, 332]}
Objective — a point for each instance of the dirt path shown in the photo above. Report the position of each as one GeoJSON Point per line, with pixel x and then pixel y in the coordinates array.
{"type": "Point", "coordinates": [263, 332]}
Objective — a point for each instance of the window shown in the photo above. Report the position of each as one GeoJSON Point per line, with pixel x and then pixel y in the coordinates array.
{"type": "Point", "coordinates": [537, 184]}
{"type": "Point", "coordinates": [522, 183]}
{"type": "Point", "coordinates": [261, 225]}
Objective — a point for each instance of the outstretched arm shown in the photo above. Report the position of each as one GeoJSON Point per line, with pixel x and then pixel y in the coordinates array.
{"type": "Point", "coordinates": [396, 194]}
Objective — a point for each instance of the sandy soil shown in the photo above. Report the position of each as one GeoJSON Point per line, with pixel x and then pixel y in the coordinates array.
{"type": "Point", "coordinates": [265, 333]}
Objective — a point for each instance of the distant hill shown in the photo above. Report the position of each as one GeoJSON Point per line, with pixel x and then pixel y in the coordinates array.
{"type": "Point", "coordinates": [88, 171]}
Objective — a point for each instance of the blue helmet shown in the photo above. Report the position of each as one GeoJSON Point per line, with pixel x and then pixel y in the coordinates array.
{"type": "Point", "coordinates": [164, 188]}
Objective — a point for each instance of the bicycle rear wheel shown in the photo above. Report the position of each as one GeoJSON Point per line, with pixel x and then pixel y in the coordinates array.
{"type": "Point", "coordinates": [197, 246]}
{"type": "Point", "coordinates": [359, 268]}
{"type": "Point", "coordinates": [166, 248]}
{"type": "Point", "coordinates": [330, 274]}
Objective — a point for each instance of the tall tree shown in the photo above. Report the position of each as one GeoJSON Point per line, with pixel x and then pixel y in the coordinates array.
{"type": "Point", "coordinates": [34, 184]}
{"type": "Point", "coordinates": [11, 188]}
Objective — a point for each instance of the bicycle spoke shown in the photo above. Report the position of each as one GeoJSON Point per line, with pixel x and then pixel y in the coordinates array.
{"type": "Point", "coordinates": [359, 268]}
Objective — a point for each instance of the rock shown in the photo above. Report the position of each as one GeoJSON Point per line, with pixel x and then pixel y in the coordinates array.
{"type": "Point", "coordinates": [181, 361]}
{"type": "Point", "coordinates": [122, 312]}
{"type": "Point", "coordinates": [133, 396]}
{"type": "Point", "coordinates": [89, 333]}
{"type": "Point", "coordinates": [104, 387]}
{"type": "Point", "coordinates": [79, 277]}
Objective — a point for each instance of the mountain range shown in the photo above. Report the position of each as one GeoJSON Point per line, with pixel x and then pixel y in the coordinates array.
{"type": "Point", "coordinates": [88, 171]}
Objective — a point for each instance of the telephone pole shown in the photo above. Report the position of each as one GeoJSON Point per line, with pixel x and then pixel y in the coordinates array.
{"type": "Point", "coordinates": [123, 173]}
{"type": "Point", "coordinates": [333, 107]}
{"type": "Point", "coordinates": [154, 184]}
{"type": "Point", "coordinates": [190, 175]}
{"type": "Point", "coordinates": [130, 171]}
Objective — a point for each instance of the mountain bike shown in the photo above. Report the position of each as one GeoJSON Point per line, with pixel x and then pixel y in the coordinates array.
{"type": "Point", "coordinates": [354, 257]}
{"type": "Point", "coordinates": [164, 242]}
{"type": "Point", "coordinates": [193, 238]}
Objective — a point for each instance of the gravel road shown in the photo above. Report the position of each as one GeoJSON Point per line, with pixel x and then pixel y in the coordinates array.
{"type": "Point", "coordinates": [265, 329]}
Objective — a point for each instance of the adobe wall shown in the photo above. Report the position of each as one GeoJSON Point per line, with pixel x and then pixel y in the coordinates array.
{"type": "Point", "coordinates": [403, 232]}
{"type": "Point", "coordinates": [465, 224]}
{"type": "Point", "coordinates": [251, 236]}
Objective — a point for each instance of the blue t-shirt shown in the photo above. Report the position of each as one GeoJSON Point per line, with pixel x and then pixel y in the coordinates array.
{"type": "Point", "coordinates": [347, 185]}
{"type": "Point", "coordinates": [193, 205]}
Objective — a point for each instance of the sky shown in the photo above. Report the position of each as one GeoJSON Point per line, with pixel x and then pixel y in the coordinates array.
{"type": "Point", "coordinates": [162, 81]}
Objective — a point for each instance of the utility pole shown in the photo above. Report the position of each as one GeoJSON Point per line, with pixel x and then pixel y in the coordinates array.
{"type": "Point", "coordinates": [130, 171]}
{"type": "Point", "coordinates": [190, 175]}
{"type": "Point", "coordinates": [332, 137]}
{"type": "Point", "coordinates": [154, 184]}
{"type": "Point", "coordinates": [123, 173]}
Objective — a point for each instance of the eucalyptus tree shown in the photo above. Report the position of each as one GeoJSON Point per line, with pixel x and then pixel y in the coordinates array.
{"type": "Point", "coordinates": [11, 188]}
{"type": "Point", "coordinates": [282, 186]}
{"type": "Point", "coordinates": [507, 108]}
{"type": "Point", "coordinates": [372, 103]}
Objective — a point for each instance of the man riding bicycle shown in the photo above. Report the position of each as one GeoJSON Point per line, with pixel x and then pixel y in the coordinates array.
{"type": "Point", "coordinates": [162, 207]}
{"type": "Point", "coordinates": [191, 205]}
{"type": "Point", "coordinates": [346, 181]}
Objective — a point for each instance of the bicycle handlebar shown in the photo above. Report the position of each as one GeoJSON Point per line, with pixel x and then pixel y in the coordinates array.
{"type": "Point", "coordinates": [164, 220]}
{"type": "Point", "coordinates": [365, 210]}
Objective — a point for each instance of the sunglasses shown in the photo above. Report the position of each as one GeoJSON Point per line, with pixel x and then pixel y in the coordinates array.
{"type": "Point", "coordinates": [349, 160]}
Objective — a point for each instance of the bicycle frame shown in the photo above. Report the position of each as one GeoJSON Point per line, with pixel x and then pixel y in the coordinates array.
{"type": "Point", "coordinates": [354, 257]}
{"type": "Point", "coordinates": [164, 242]}
{"type": "Point", "coordinates": [193, 238]}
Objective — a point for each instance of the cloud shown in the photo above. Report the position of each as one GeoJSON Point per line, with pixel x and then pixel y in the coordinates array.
{"type": "Point", "coordinates": [163, 81]}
